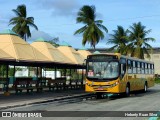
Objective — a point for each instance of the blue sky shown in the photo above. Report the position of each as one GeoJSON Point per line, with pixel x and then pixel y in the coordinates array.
{"type": "Point", "coordinates": [57, 18]}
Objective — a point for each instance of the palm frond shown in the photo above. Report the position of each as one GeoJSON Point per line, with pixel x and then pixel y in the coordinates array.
{"type": "Point", "coordinates": [113, 48]}
{"type": "Point", "coordinates": [21, 22]}
{"type": "Point", "coordinates": [81, 30]}
{"type": "Point", "coordinates": [149, 39]}
{"type": "Point", "coordinates": [92, 31]}
{"type": "Point", "coordinates": [138, 40]}
{"type": "Point", "coordinates": [98, 21]}
{"type": "Point", "coordinates": [33, 25]}
{"type": "Point", "coordinates": [16, 12]}
{"type": "Point", "coordinates": [146, 52]}
{"type": "Point", "coordinates": [103, 27]}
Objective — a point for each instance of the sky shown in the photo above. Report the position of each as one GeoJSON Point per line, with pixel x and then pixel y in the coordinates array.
{"type": "Point", "coordinates": [57, 18]}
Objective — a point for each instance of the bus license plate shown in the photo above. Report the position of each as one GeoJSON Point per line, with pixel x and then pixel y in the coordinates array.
{"type": "Point", "coordinates": [100, 88]}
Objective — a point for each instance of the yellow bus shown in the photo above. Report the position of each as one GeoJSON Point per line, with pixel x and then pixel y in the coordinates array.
{"type": "Point", "coordinates": [115, 73]}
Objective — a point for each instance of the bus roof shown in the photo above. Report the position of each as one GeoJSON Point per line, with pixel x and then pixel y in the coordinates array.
{"type": "Point", "coordinates": [136, 59]}
{"type": "Point", "coordinates": [123, 56]}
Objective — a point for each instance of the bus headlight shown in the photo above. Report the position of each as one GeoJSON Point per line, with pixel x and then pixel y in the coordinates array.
{"type": "Point", "coordinates": [90, 84]}
{"type": "Point", "coordinates": [116, 83]}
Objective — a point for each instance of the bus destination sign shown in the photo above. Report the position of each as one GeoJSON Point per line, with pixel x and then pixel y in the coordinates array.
{"type": "Point", "coordinates": [102, 57]}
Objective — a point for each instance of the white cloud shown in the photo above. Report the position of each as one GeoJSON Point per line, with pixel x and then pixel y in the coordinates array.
{"type": "Point", "coordinates": [59, 7]}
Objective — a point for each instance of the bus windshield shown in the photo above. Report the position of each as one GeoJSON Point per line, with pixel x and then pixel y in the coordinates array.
{"type": "Point", "coordinates": [103, 70]}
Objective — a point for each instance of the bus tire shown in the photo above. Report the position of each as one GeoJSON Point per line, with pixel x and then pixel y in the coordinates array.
{"type": "Point", "coordinates": [99, 95]}
{"type": "Point", "coordinates": [127, 93]}
{"type": "Point", "coordinates": [145, 87]}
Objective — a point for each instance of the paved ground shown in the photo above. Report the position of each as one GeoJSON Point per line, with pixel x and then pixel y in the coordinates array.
{"type": "Point", "coordinates": [25, 98]}
{"type": "Point", "coordinates": [137, 102]}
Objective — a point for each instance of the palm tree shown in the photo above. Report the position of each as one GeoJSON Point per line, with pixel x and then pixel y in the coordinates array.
{"type": "Point", "coordinates": [120, 39]}
{"type": "Point", "coordinates": [138, 45]}
{"type": "Point", "coordinates": [21, 22]}
{"type": "Point", "coordinates": [92, 29]}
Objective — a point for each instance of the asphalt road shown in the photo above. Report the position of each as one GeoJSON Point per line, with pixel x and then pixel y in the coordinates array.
{"type": "Point", "coordinates": [138, 101]}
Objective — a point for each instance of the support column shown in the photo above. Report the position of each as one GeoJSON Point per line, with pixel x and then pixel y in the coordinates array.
{"type": "Point", "coordinates": [82, 77]}
{"type": "Point", "coordinates": [40, 76]}
{"type": "Point", "coordinates": [14, 71]}
{"type": "Point", "coordinates": [65, 74]}
{"type": "Point", "coordinates": [55, 73]}
{"type": "Point", "coordinates": [7, 81]}
{"type": "Point", "coordinates": [37, 72]}
{"type": "Point", "coordinates": [40, 72]}
{"type": "Point", "coordinates": [45, 71]}
{"type": "Point", "coordinates": [70, 77]}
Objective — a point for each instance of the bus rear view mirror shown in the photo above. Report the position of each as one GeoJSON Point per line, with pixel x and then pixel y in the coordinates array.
{"type": "Point", "coordinates": [84, 62]}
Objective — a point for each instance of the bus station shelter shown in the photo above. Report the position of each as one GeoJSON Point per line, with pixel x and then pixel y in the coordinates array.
{"type": "Point", "coordinates": [14, 51]}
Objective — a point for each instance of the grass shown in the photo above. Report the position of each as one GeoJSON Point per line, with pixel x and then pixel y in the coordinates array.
{"type": "Point", "coordinates": [157, 80]}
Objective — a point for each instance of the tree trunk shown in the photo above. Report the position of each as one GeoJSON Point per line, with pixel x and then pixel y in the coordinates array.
{"type": "Point", "coordinates": [25, 37]}
{"type": "Point", "coordinates": [94, 47]}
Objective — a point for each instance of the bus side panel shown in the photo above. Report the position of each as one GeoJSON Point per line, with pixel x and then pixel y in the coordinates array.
{"type": "Point", "coordinates": [150, 80]}
{"type": "Point", "coordinates": [122, 84]}
{"type": "Point", "coordinates": [136, 82]}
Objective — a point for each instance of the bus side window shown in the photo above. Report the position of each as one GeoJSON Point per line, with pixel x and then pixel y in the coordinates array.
{"type": "Point", "coordinates": [149, 68]}
{"type": "Point", "coordinates": [142, 68]}
{"type": "Point", "coordinates": [123, 70]}
{"type": "Point", "coordinates": [146, 68]}
{"type": "Point", "coordinates": [123, 66]}
{"type": "Point", "coordinates": [152, 69]}
{"type": "Point", "coordinates": [138, 68]}
{"type": "Point", "coordinates": [129, 66]}
{"type": "Point", "coordinates": [134, 67]}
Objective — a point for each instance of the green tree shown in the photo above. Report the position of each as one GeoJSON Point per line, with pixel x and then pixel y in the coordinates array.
{"type": "Point", "coordinates": [138, 45]}
{"type": "Point", "coordinates": [91, 31]}
{"type": "Point", "coordinates": [119, 39]}
{"type": "Point", "coordinates": [21, 22]}
{"type": "Point", "coordinates": [2, 70]}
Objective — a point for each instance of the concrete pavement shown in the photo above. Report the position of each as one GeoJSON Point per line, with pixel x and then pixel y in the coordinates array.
{"type": "Point", "coordinates": [16, 100]}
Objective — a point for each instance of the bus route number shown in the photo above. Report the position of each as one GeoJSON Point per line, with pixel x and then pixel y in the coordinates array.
{"type": "Point", "coordinates": [90, 73]}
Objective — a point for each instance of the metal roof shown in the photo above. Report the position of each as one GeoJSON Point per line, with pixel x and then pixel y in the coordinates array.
{"type": "Point", "coordinates": [40, 40]}
{"type": "Point", "coordinates": [51, 52]}
{"type": "Point", "coordinates": [96, 52]}
{"type": "Point", "coordinates": [63, 43]}
{"type": "Point", "coordinates": [84, 53]}
{"type": "Point", "coordinates": [72, 54]}
{"type": "Point", "coordinates": [20, 50]}
{"type": "Point", "coordinates": [8, 32]}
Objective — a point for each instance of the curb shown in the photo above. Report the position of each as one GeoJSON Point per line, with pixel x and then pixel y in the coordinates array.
{"type": "Point", "coordinates": [44, 101]}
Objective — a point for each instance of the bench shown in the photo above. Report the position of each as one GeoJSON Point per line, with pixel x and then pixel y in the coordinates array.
{"type": "Point", "coordinates": [58, 83]}
{"type": "Point", "coordinates": [3, 82]}
{"type": "Point", "coordinates": [28, 84]}
{"type": "Point", "coordinates": [21, 84]}
{"type": "Point", "coordinates": [35, 84]}
{"type": "Point", "coordinates": [76, 84]}
{"type": "Point", "coordinates": [44, 81]}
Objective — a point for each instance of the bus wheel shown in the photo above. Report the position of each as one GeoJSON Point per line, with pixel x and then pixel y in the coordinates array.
{"type": "Point", "coordinates": [145, 87]}
{"type": "Point", "coordinates": [99, 95]}
{"type": "Point", "coordinates": [127, 91]}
